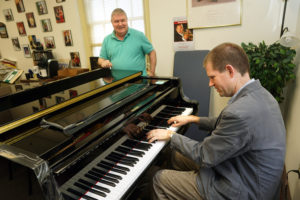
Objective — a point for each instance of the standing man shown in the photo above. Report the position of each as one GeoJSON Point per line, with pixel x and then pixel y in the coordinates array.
{"type": "Point", "coordinates": [243, 157]}
{"type": "Point", "coordinates": [126, 48]}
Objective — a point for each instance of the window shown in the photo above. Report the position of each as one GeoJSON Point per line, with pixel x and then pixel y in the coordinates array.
{"type": "Point", "coordinates": [98, 14]}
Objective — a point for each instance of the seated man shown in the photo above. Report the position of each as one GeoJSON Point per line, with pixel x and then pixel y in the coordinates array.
{"type": "Point", "coordinates": [243, 157]}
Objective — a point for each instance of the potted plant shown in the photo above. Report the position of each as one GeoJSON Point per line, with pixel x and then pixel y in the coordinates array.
{"type": "Point", "coordinates": [272, 65]}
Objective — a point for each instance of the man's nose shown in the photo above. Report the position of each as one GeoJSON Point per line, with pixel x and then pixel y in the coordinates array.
{"type": "Point", "coordinates": [211, 83]}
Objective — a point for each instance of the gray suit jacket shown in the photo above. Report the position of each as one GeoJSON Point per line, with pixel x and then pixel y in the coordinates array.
{"type": "Point", "coordinates": [243, 158]}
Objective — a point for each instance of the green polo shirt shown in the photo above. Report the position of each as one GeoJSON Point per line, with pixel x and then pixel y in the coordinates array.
{"type": "Point", "coordinates": [127, 54]}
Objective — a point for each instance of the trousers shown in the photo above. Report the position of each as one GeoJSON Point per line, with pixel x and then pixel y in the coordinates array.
{"type": "Point", "coordinates": [178, 183]}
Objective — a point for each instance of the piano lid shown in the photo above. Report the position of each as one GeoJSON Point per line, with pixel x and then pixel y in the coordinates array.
{"type": "Point", "coordinates": [46, 99]}
{"type": "Point", "coordinates": [95, 116]}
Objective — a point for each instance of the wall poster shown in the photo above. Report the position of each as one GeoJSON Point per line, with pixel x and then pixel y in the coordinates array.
{"type": "Point", "coordinates": [3, 31]}
{"type": "Point", "coordinates": [213, 13]}
{"type": "Point", "coordinates": [183, 36]}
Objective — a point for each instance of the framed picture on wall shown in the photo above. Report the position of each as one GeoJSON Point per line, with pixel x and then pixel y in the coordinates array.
{"type": "Point", "coordinates": [35, 109]}
{"type": "Point", "coordinates": [8, 15]}
{"type": "Point", "coordinates": [59, 14]}
{"type": "Point", "coordinates": [33, 41]}
{"type": "Point", "coordinates": [19, 87]}
{"type": "Point", "coordinates": [75, 59]}
{"type": "Point", "coordinates": [16, 44]}
{"type": "Point", "coordinates": [3, 31]}
{"type": "Point", "coordinates": [26, 50]}
{"type": "Point", "coordinates": [20, 6]}
{"type": "Point", "coordinates": [49, 42]}
{"type": "Point", "coordinates": [213, 13]}
{"type": "Point", "coordinates": [42, 103]}
{"type": "Point", "coordinates": [73, 93]}
{"type": "Point", "coordinates": [46, 25]}
{"type": "Point", "coordinates": [41, 7]}
{"type": "Point", "coordinates": [21, 28]}
{"type": "Point", "coordinates": [68, 37]}
{"type": "Point", "coordinates": [30, 20]}
{"type": "Point", "coordinates": [59, 99]}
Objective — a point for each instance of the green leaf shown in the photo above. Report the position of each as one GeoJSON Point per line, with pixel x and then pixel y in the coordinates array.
{"type": "Point", "coordinates": [272, 65]}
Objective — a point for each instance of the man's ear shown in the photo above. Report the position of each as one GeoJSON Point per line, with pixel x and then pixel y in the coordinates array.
{"type": "Point", "coordinates": [230, 70]}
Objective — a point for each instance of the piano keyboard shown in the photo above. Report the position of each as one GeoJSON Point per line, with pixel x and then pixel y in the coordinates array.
{"type": "Point", "coordinates": [113, 172]}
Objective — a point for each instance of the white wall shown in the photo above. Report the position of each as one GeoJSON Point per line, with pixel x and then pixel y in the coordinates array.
{"type": "Point", "coordinates": [61, 52]}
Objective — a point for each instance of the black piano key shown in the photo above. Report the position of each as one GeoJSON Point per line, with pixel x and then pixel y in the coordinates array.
{"type": "Point", "coordinates": [150, 127]}
{"type": "Point", "coordinates": [103, 177]}
{"type": "Point", "coordinates": [80, 193]}
{"type": "Point", "coordinates": [130, 151]}
{"type": "Point", "coordinates": [159, 118]}
{"type": "Point", "coordinates": [119, 161]}
{"type": "Point", "coordinates": [126, 156]}
{"type": "Point", "coordinates": [87, 183]}
{"type": "Point", "coordinates": [123, 158]}
{"type": "Point", "coordinates": [166, 115]}
{"type": "Point", "coordinates": [159, 121]}
{"type": "Point", "coordinates": [90, 189]}
{"type": "Point", "coordinates": [124, 162]}
{"type": "Point", "coordinates": [107, 173]}
{"type": "Point", "coordinates": [112, 169]}
{"type": "Point", "coordinates": [172, 108]}
{"type": "Point", "coordinates": [99, 180]}
{"type": "Point", "coordinates": [144, 138]}
{"type": "Point", "coordinates": [136, 144]}
{"type": "Point", "coordinates": [115, 166]}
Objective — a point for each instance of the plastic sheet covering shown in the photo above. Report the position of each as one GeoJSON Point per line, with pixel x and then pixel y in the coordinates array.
{"type": "Point", "coordinates": [39, 166]}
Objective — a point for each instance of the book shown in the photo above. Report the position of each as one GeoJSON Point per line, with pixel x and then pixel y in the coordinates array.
{"type": "Point", "coordinates": [12, 76]}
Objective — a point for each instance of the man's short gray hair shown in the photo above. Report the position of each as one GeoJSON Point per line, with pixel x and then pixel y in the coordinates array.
{"type": "Point", "coordinates": [118, 11]}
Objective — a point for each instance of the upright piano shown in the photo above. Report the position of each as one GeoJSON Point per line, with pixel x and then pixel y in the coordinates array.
{"type": "Point", "coordinates": [83, 137]}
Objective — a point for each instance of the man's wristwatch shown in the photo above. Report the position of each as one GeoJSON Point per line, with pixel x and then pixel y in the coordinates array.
{"type": "Point", "coordinates": [171, 133]}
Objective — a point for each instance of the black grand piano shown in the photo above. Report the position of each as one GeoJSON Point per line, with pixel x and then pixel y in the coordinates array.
{"type": "Point", "coordinates": [68, 139]}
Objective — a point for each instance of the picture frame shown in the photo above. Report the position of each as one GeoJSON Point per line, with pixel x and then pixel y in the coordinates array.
{"type": "Point", "coordinates": [3, 31]}
{"type": "Point", "coordinates": [59, 14]}
{"type": "Point", "coordinates": [20, 6]}
{"type": "Point", "coordinates": [68, 37]}
{"type": "Point", "coordinates": [213, 13]}
{"type": "Point", "coordinates": [35, 109]}
{"type": "Point", "coordinates": [73, 93]}
{"type": "Point", "coordinates": [26, 50]}
{"type": "Point", "coordinates": [59, 99]}
{"type": "Point", "coordinates": [8, 15]}
{"type": "Point", "coordinates": [75, 59]}
{"type": "Point", "coordinates": [18, 88]}
{"type": "Point", "coordinates": [49, 42]}
{"type": "Point", "coordinates": [16, 44]}
{"type": "Point", "coordinates": [30, 20]}
{"type": "Point", "coordinates": [33, 41]}
{"type": "Point", "coordinates": [21, 29]}
{"type": "Point", "coordinates": [46, 25]}
{"type": "Point", "coordinates": [42, 103]}
{"type": "Point", "coordinates": [41, 7]}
